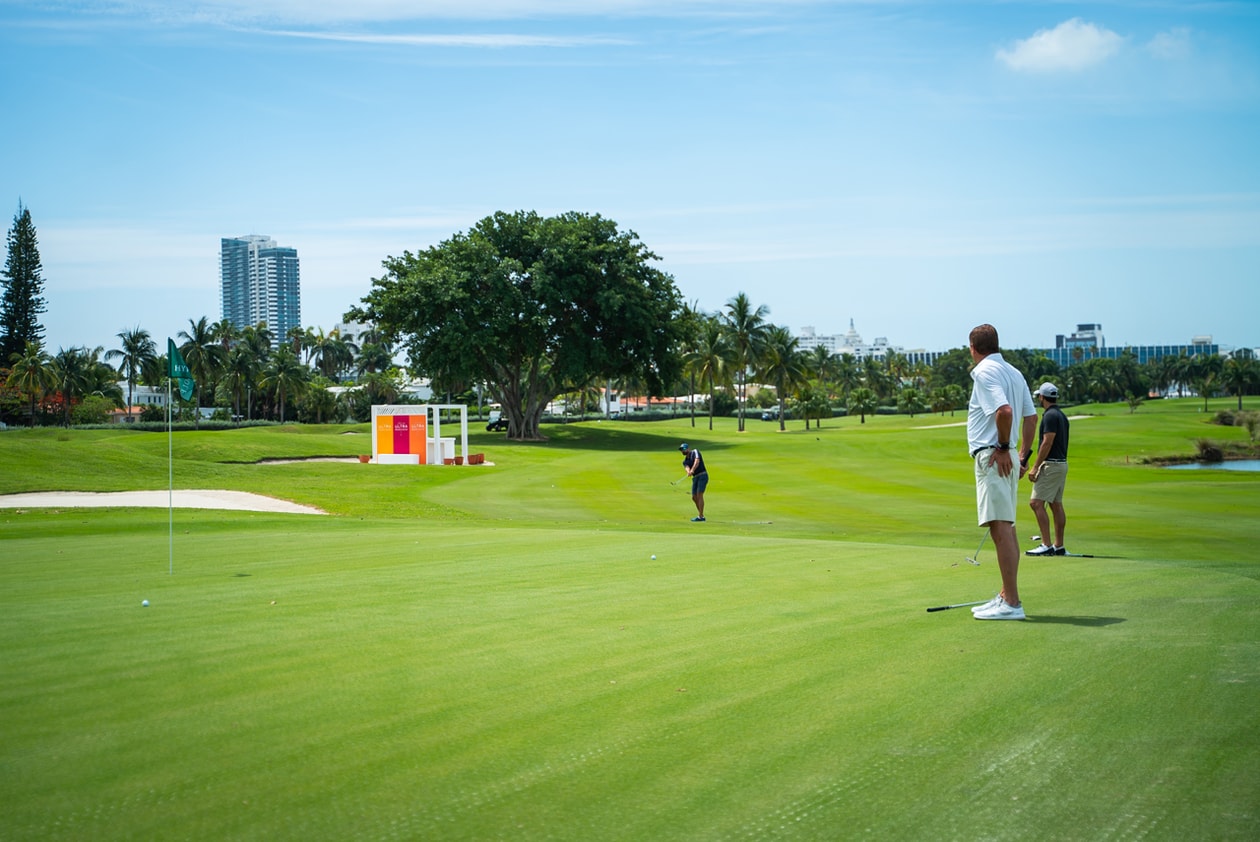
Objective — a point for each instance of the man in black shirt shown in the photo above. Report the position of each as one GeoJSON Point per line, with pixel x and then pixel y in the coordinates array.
{"type": "Point", "coordinates": [1049, 472]}
{"type": "Point", "coordinates": [693, 464]}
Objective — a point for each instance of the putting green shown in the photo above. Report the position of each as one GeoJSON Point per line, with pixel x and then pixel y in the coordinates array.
{"type": "Point", "coordinates": [472, 654]}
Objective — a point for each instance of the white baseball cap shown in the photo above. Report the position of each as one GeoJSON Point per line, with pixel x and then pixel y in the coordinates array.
{"type": "Point", "coordinates": [1048, 390]}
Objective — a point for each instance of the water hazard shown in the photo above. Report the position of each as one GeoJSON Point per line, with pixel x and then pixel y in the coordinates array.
{"type": "Point", "coordinates": [1230, 465]}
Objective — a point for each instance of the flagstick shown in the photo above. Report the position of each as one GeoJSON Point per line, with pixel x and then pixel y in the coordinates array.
{"type": "Point", "coordinates": [170, 473]}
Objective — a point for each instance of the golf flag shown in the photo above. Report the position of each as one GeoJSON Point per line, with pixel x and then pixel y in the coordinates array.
{"type": "Point", "coordinates": [179, 370]}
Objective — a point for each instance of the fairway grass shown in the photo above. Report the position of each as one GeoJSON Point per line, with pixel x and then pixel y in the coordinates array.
{"type": "Point", "coordinates": [491, 653]}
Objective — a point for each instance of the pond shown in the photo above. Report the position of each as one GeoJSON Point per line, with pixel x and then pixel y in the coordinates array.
{"type": "Point", "coordinates": [1231, 465]}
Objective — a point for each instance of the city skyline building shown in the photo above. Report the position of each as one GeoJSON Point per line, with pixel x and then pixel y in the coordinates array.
{"type": "Point", "coordinates": [260, 281]}
{"type": "Point", "coordinates": [1086, 342]}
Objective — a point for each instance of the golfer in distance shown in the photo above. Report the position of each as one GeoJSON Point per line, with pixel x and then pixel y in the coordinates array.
{"type": "Point", "coordinates": [999, 395]}
{"type": "Point", "coordinates": [693, 464]}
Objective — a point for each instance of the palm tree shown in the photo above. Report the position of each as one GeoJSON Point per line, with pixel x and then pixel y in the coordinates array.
{"type": "Point", "coordinates": [746, 331]}
{"type": "Point", "coordinates": [848, 375]}
{"type": "Point", "coordinates": [225, 333]}
{"type": "Point", "coordinates": [783, 364]}
{"type": "Point", "coordinates": [285, 375]}
{"type": "Point", "coordinates": [910, 401]}
{"type": "Point", "coordinates": [877, 378]}
{"type": "Point", "coordinates": [1206, 371]}
{"type": "Point", "coordinates": [32, 373]}
{"type": "Point", "coordinates": [329, 353]}
{"type": "Point", "coordinates": [139, 356]}
{"type": "Point", "coordinates": [204, 355]}
{"type": "Point", "coordinates": [822, 365]}
{"type": "Point", "coordinates": [898, 368]}
{"type": "Point", "coordinates": [1241, 374]}
{"type": "Point", "coordinates": [240, 373]}
{"type": "Point", "coordinates": [373, 358]}
{"type": "Point", "coordinates": [300, 338]}
{"type": "Point", "coordinates": [863, 401]}
{"type": "Point", "coordinates": [73, 374]}
{"type": "Point", "coordinates": [713, 360]}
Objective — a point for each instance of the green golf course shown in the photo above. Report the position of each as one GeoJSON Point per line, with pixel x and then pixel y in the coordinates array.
{"type": "Point", "coordinates": [490, 652]}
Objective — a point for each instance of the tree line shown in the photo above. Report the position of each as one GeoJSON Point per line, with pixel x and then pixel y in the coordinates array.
{"type": "Point", "coordinates": [528, 310]}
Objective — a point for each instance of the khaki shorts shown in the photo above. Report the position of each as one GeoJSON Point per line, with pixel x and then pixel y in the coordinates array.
{"type": "Point", "coordinates": [1050, 481]}
{"type": "Point", "coordinates": [995, 494]}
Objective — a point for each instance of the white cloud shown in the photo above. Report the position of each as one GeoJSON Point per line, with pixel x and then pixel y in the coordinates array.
{"type": "Point", "coordinates": [1072, 45]}
{"type": "Point", "coordinates": [1171, 45]}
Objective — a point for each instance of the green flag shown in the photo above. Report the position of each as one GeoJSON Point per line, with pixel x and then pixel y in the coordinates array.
{"type": "Point", "coordinates": [178, 369]}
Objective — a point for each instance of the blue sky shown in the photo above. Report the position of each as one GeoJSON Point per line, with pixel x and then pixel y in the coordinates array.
{"type": "Point", "coordinates": [917, 167]}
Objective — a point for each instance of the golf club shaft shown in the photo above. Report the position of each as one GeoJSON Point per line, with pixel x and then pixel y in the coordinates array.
{"type": "Point", "coordinates": [956, 605]}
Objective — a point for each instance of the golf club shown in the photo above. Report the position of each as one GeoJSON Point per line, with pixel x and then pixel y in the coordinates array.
{"type": "Point", "coordinates": [972, 559]}
{"type": "Point", "coordinates": [680, 479]}
{"type": "Point", "coordinates": [956, 605]}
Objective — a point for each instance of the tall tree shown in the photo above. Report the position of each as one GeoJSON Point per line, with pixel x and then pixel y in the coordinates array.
{"type": "Point", "coordinates": [204, 355]}
{"type": "Point", "coordinates": [32, 373]}
{"type": "Point", "coordinates": [1241, 375]}
{"type": "Point", "coordinates": [783, 364]}
{"type": "Point", "coordinates": [74, 375]}
{"type": "Point", "coordinates": [713, 360]}
{"type": "Point", "coordinates": [21, 288]}
{"type": "Point", "coordinates": [528, 304]}
{"type": "Point", "coordinates": [137, 356]}
{"type": "Point", "coordinates": [746, 332]}
{"type": "Point", "coordinates": [285, 375]}
{"type": "Point", "coordinates": [863, 401]}
{"type": "Point", "coordinates": [240, 374]}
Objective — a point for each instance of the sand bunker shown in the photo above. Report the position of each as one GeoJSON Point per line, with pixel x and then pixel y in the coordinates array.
{"type": "Point", "coordinates": [180, 499]}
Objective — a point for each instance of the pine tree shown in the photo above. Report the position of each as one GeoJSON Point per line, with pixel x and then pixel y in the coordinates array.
{"type": "Point", "coordinates": [21, 289]}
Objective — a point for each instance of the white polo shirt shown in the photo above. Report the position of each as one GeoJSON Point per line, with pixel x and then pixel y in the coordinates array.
{"type": "Point", "coordinates": [996, 383]}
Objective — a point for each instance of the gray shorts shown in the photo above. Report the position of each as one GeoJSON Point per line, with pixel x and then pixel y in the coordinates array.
{"type": "Point", "coordinates": [699, 483]}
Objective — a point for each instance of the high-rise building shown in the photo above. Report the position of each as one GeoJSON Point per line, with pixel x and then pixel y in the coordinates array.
{"type": "Point", "coordinates": [260, 283]}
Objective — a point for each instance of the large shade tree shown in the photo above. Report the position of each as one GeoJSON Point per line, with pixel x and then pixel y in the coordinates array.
{"type": "Point", "coordinates": [530, 305]}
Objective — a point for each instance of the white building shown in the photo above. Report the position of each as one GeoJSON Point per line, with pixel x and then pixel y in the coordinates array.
{"type": "Point", "coordinates": [850, 343]}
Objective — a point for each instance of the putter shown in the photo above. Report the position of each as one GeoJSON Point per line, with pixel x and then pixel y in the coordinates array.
{"type": "Point", "coordinates": [957, 604]}
{"type": "Point", "coordinates": [972, 559]}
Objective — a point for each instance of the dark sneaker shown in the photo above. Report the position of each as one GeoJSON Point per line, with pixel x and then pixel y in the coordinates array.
{"type": "Point", "coordinates": [1042, 550]}
{"type": "Point", "coordinates": [1060, 551]}
{"type": "Point", "coordinates": [697, 520]}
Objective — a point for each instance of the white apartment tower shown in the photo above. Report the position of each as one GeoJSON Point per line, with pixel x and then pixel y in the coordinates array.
{"type": "Point", "coordinates": [260, 283]}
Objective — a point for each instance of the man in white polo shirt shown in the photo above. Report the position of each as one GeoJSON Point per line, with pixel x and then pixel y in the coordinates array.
{"type": "Point", "coordinates": [999, 395]}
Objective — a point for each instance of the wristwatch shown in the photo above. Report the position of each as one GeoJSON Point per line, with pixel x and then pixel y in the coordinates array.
{"type": "Point", "coordinates": [1004, 445]}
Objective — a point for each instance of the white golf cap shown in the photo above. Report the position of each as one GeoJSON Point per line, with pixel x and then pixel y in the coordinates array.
{"type": "Point", "coordinates": [1048, 390]}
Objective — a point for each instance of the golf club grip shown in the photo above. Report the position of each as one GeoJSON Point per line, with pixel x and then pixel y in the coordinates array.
{"type": "Point", "coordinates": [940, 608]}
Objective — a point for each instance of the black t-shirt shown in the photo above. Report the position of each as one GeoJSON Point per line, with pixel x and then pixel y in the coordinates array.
{"type": "Point", "coordinates": [1054, 421]}
{"type": "Point", "coordinates": [693, 455]}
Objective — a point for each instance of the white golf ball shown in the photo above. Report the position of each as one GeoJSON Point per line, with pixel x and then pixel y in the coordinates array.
{"type": "Point", "coordinates": [144, 603]}
{"type": "Point", "coordinates": [653, 558]}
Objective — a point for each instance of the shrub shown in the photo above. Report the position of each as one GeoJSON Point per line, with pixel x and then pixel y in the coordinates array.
{"type": "Point", "coordinates": [1209, 451]}
{"type": "Point", "coordinates": [1224, 417]}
